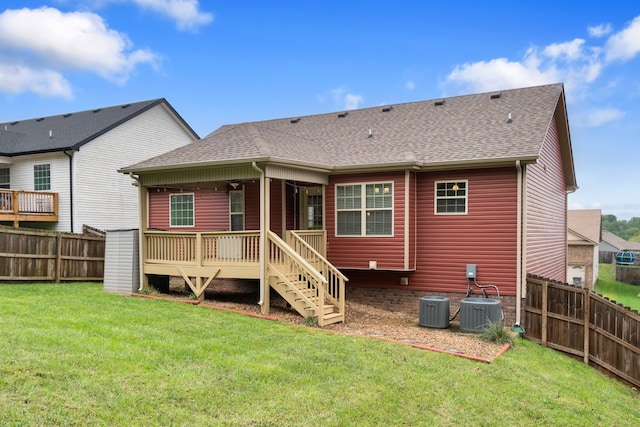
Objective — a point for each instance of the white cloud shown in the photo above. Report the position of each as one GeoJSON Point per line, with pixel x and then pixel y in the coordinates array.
{"type": "Point", "coordinates": [346, 100]}
{"type": "Point", "coordinates": [572, 62]}
{"type": "Point", "coordinates": [47, 42]}
{"type": "Point", "coordinates": [603, 115]}
{"type": "Point", "coordinates": [17, 79]}
{"type": "Point", "coordinates": [625, 44]}
{"type": "Point", "coordinates": [410, 85]}
{"type": "Point", "coordinates": [186, 13]}
{"type": "Point", "coordinates": [569, 51]}
{"type": "Point", "coordinates": [485, 76]}
{"type": "Point", "coordinates": [599, 30]}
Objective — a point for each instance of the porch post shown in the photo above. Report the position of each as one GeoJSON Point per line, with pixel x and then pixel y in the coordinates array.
{"type": "Point", "coordinates": [266, 208]}
{"type": "Point", "coordinates": [143, 197]}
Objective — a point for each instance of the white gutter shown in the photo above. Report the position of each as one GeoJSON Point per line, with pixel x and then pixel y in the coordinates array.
{"type": "Point", "coordinates": [262, 232]}
{"type": "Point", "coordinates": [519, 263]}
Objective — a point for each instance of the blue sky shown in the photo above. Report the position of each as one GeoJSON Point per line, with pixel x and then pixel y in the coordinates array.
{"type": "Point", "coordinates": [220, 62]}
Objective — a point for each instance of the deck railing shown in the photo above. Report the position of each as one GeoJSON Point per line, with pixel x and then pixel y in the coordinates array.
{"type": "Point", "coordinates": [16, 206]}
{"type": "Point", "coordinates": [202, 248]}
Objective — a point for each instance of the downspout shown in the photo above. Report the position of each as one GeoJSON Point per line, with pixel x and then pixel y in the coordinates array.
{"type": "Point", "coordinates": [519, 234]}
{"type": "Point", "coordinates": [262, 233]}
{"type": "Point", "coordinates": [70, 156]}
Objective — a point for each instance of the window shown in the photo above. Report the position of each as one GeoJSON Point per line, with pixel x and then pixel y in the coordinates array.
{"type": "Point", "coordinates": [5, 178]}
{"type": "Point", "coordinates": [181, 210]}
{"type": "Point", "coordinates": [41, 177]}
{"type": "Point", "coordinates": [314, 212]}
{"type": "Point", "coordinates": [364, 209]}
{"type": "Point", "coordinates": [451, 197]}
{"type": "Point", "coordinates": [236, 210]}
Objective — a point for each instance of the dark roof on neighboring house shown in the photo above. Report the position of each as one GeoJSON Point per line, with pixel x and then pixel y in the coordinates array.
{"type": "Point", "coordinates": [586, 223]}
{"type": "Point", "coordinates": [482, 129]}
{"type": "Point", "coordinates": [71, 130]}
{"type": "Point", "coordinates": [618, 242]}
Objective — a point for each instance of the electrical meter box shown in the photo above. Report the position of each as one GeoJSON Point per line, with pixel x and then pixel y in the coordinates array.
{"type": "Point", "coordinates": [471, 271]}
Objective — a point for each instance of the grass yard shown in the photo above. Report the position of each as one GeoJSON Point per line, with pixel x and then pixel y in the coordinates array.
{"type": "Point", "coordinates": [623, 293]}
{"type": "Point", "coordinates": [74, 355]}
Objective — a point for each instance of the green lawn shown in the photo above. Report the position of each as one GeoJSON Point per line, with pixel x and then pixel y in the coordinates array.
{"type": "Point", "coordinates": [74, 355]}
{"type": "Point", "coordinates": [623, 293]}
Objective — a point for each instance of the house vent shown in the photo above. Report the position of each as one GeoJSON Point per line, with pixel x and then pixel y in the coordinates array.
{"type": "Point", "coordinates": [14, 123]}
{"type": "Point", "coordinates": [125, 106]}
{"type": "Point", "coordinates": [387, 109]}
{"type": "Point", "coordinates": [496, 95]}
{"type": "Point", "coordinates": [295, 120]}
{"type": "Point", "coordinates": [438, 102]}
{"type": "Point", "coordinates": [344, 114]}
{"type": "Point", "coordinates": [40, 119]}
{"type": "Point", "coordinates": [97, 111]}
{"type": "Point", "coordinates": [67, 115]}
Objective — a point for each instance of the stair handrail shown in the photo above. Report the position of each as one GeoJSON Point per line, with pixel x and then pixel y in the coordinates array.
{"type": "Point", "coordinates": [327, 269]}
{"type": "Point", "coordinates": [318, 281]}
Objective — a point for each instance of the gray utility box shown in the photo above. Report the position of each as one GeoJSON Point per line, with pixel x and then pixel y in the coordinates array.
{"type": "Point", "coordinates": [434, 312]}
{"type": "Point", "coordinates": [121, 262]}
{"type": "Point", "coordinates": [477, 313]}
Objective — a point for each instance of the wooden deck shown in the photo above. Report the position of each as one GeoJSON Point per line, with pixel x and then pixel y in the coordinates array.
{"type": "Point", "coordinates": [28, 206]}
{"type": "Point", "coordinates": [296, 269]}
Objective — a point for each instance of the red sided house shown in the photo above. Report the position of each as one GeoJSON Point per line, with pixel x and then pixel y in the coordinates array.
{"type": "Point", "coordinates": [381, 205]}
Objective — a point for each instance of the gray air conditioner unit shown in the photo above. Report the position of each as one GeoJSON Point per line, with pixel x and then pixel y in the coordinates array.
{"type": "Point", "coordinates": [434, 312]}
{"type": "Point", "coordinates": [477, 313]}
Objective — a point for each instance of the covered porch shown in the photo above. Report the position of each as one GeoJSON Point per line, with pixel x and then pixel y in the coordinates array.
{"type": "Point", "coordinates": [254, 240]}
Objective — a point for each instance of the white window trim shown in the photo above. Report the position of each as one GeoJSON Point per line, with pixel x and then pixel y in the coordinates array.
{"type": "Point", "coordinates": [363, 209]}
{"type": "Point", "coordinates": [171, 211]}
{"type": "Point", "coordinates": [244, 203]}
{"type": "Point", "coordinates": [436, 198]}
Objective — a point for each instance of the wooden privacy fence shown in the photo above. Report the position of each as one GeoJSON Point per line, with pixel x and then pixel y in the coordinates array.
{"type": "Point", "coordinates": [34, 255]}
{"type": "Point", "coordinates": [584, 324]}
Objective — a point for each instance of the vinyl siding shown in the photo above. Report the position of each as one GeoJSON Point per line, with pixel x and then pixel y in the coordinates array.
{"type": "Point", "coordinates": [486, 236]}
{"type": "Point", "coordinates": [546, 212]}
{"type": "Point", "coordinates": [211, 210]}
{"type": "Point", "coordinates": [21, 171]}
{"type": "Point", "coordinates": [356, 252]}
{"type": "Point", "coordinates": [104, 198]}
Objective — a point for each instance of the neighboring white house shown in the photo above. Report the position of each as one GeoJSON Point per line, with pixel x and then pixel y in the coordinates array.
{"type": "Point", "coordinates": [77, 155]}
{"type": "Point", "coordinates": [583, 237]}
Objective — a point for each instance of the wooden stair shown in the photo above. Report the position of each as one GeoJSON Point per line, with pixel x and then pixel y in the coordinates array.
{"type": "Point", "coordinates": [305, 299]}
{"type": "Point", "coordinates": [306, 280]}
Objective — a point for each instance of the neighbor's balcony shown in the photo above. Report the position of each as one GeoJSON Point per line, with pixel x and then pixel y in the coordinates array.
{"type": "Point", "coordinates": [33, 206]}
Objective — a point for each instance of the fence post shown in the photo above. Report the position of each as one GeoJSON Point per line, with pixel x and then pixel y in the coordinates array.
{"type": "Point", "coordinates": [543, 326]}
{"type": "Point", "coordinates": [586, 325]}
{"type": "Point", "coordinates": [58, 262]}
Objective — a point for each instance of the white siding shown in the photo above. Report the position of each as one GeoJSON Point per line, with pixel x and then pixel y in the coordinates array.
{"type": "Point", "coordinates": [104, 198]}
{"type": "Point", "coordinates": [22, 179]}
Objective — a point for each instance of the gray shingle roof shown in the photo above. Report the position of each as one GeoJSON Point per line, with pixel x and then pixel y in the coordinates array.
{"type": "Point", "coordinates": [463, 130]}
{"type": "Point", "coordinates": [69, 131]}
{"type": "Point", "coordinates": [618, 242]}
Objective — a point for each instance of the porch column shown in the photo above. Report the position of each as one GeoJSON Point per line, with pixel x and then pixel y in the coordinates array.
{"type": "Point", "coordinates": [265, 205]}
{"type": "Point", "coordinates": [143, 197]}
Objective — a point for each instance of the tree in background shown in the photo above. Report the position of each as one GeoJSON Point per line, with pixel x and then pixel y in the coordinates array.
{"type": "Point", "coordinates": [628, 230]}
